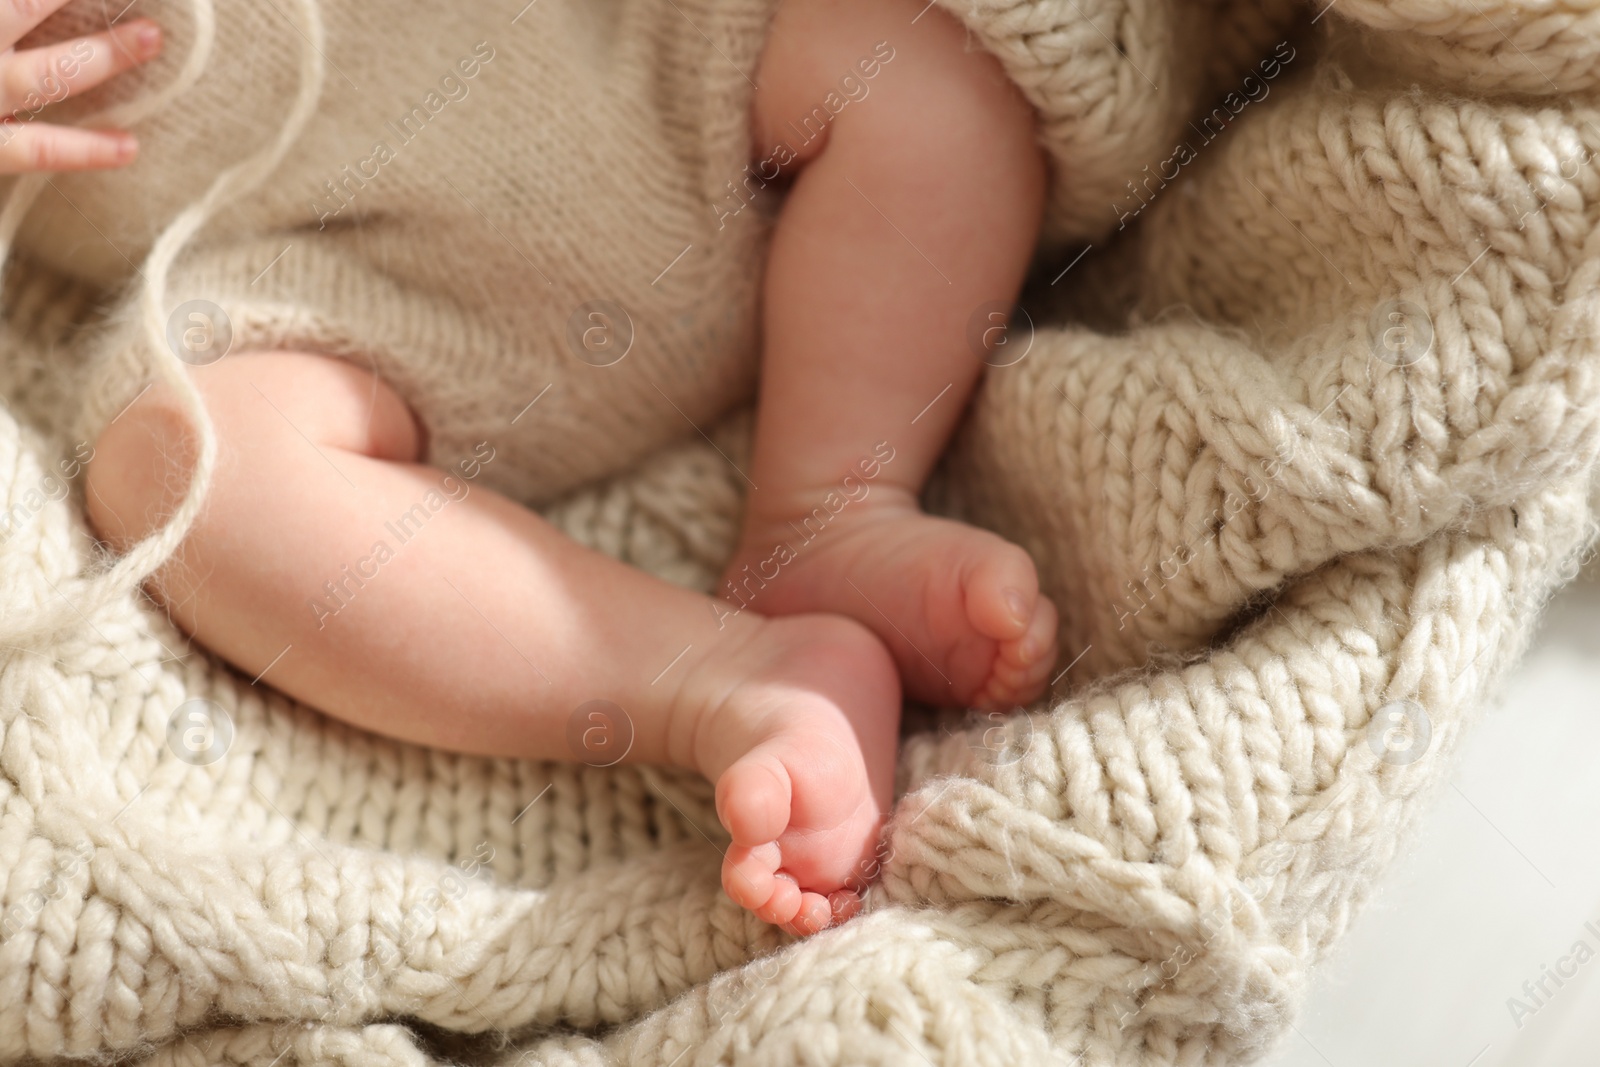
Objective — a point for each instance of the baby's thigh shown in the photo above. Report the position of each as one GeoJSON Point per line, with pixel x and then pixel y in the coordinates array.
{"type": "Point", "coordinates": [260, 404]}
{"type": "Point", "coordinates": [331, 402]}
{"type": "Point", "coordinates": [879, 68]}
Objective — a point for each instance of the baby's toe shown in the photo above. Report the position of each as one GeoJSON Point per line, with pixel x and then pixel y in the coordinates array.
{"type": "Point", "coordinates": [753, 798]}
{"type": "Point", "coordinates": [749, 875]}
{"type": "Point", "coordinates": [1036, 652]}
{"type": "Point", "coordinates": [784, 903]}
{"type": "Point", "coordinates": [815, 913]}
{"type": "Point", "coordinates": [1022, 667]}
{"type": "Point", "coordinates": [1002, 591]}
{"type": "Point", "coordinates": [820, 913]}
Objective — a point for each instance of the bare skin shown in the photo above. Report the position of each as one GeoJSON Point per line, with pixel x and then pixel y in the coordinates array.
{"type": "Point", "coordinates": [488, 632]}
{"type": "Point", "coordinates": [918, 205]}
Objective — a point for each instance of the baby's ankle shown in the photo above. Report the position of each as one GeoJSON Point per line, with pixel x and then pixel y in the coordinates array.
{"type": "Point", "coordinates": [724, 702]}
{"type": "Point", "coordinates": [799, 514]}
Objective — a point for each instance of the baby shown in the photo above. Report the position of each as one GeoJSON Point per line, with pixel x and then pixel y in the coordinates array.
{"type": "Point", "coordinates": [907, 214]}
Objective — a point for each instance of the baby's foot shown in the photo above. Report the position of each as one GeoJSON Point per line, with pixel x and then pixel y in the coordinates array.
{"type": "Point", "coordinates": [797, 725]}
{"type": "Point", "coordinates": [959, 607]}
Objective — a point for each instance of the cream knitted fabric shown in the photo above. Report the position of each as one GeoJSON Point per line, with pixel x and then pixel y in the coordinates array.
{"type": "Point", "coordinates": [1301, 491]}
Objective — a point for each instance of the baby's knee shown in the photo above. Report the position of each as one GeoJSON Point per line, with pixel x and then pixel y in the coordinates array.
{"type": "Point", "coordinates": [142, 460]}
{"type": "Point", "coordinates": [264, 407]}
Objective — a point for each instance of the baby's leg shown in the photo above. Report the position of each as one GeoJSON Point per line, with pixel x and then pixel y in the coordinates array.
{"type": "Point", "coordinates": [430, 609]}
{"type": "Point", "coordinates": [919, 206]}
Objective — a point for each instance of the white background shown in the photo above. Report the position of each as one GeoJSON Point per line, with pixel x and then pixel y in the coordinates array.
{"type": "Point", "coordinates": [1497, 883]}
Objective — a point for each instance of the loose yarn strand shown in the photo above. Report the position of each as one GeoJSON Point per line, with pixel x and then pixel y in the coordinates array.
{"type": "Point", "coordinates": [145, 557]}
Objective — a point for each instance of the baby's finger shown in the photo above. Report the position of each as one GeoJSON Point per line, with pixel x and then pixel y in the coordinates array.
{"type": "Point", "coordinates": [38, 146]}
{"type": "Point", "coordinates": [31, 79]}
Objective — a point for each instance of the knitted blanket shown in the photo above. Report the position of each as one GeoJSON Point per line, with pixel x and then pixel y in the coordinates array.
{"type": "Point", "coordinates": [1298, 422]}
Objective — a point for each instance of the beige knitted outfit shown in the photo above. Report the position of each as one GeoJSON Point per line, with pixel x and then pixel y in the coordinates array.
{"type": "Point", "coordinates": [1301, 444]}
{"type": "Point", "coordinates": [470, 193]}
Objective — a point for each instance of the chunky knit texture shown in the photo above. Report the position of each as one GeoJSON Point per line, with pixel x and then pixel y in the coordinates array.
{"type": "Point", "coordinates": [1301, 444]}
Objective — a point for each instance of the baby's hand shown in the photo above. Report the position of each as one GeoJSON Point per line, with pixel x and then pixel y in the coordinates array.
{"type": "Point", "coordinates": [33, 79]}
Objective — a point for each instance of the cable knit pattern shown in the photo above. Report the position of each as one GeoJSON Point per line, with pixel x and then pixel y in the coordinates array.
{"type": "Point", "coordinates": [1302, 442]}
